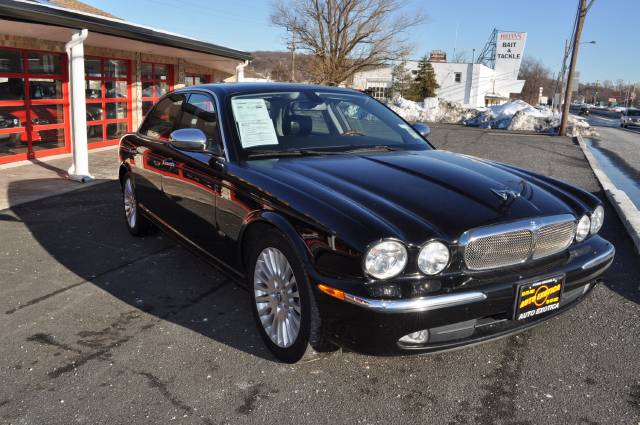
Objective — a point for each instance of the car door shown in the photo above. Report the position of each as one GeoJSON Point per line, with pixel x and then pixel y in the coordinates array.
{"type": "Point", "coordinates": [193, 187]}
{"type": "Point", "coordinates": [152, 159]}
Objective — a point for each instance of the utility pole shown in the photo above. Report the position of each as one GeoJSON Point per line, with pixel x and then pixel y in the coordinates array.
{"type": "Point", "coordinates": [563, 74]}
{"type": "Point", "coordinates": [582, 13]}
{"type": "Point", "coordinates": [292, 47]}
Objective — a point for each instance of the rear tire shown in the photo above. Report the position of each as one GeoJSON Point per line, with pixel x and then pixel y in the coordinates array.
{"type": "Point", "coordinates": [282, 300]}
{"type": "Point", "coordinates": [137, 223]}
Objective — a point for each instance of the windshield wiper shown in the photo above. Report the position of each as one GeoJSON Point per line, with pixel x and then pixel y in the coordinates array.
{"type": "Point", "coordinates": [290, 152]}
{"type": "Point", "coordinates": [375, 148]}
{"type": "Point", "coordinates": [343, 150]}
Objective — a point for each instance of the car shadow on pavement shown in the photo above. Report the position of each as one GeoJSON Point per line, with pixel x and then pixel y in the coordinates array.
{"type": "Point", "coordinates": [85, 231]}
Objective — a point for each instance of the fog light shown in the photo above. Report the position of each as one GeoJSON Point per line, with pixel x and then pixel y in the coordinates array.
{"type": "Point", "coordinates": [419, 337]}
{"type": "Point", "coordinates": [385, 291]}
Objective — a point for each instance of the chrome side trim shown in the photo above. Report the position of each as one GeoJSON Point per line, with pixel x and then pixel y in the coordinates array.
{"type": "Point", "coordinates": [416, 304]}
{"type": "Point", "coordinates": [600, 258]}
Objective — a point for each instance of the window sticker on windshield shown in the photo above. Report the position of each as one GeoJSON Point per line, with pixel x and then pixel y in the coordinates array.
{"type": "Point", "coordinates": [409, 130]}
{"type": "Point", "coordinates": [254, 124]}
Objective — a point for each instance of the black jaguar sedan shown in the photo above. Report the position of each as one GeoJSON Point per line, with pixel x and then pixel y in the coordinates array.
{"type": "Point", "coordinates": [349, 228]}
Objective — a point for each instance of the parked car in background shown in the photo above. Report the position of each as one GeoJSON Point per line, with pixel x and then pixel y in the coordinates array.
{"type": "Point", "coordinates": [349, 228]}
{"type": "Point", "coordinates": [630, 117]}
{"type": "Point", "coordinates": [8, 120]}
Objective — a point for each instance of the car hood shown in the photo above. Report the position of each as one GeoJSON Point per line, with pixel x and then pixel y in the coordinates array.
{"type": "Point", "coordinates": [413, 196]}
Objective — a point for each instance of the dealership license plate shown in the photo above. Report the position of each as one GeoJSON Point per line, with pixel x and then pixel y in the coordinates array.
{"type": "Point", "coordinates": [538, 298]}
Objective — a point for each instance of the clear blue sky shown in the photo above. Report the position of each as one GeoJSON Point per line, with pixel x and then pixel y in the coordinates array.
{"type": "Point", "coordinates": [244, 24]}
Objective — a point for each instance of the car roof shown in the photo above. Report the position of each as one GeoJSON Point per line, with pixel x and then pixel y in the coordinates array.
{"type": "Point", "coordinates": [223, 89]}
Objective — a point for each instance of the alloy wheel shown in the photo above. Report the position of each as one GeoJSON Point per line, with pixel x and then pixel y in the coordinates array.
{"type": "Point", "coordinates": [277, 298]}
{"type": "Point", "coordinates": [130, 205]}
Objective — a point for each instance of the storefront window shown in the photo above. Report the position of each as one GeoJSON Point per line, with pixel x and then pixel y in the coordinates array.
{"type": "Point", "coordinates": [11, 88]}
{"type": "Point", "coordinates": [108, 100]}
{"type": "Point", "coordinates": [11, 61]}
{"type": "Point", "coordinates": [156, 82]}
{"type": "Point", "coordinates": [44, 63]}
{"type": "Point", "coordinates": [195, 79]}
{"type": "Point", "coordinates": [45, 88]}
{"type": "Point", "coordinates": [33, 107]}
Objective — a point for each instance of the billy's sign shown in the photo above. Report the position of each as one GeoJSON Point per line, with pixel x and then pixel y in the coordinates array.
{"type": "Point", "coordinates": [509, 52]}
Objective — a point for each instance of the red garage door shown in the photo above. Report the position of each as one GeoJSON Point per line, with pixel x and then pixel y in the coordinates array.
{"type": "Point", "coordinates": [34, 111]}
{"type": "Point", "coordinates": [108, 93]}
{"type": "Point", "coordinates": [157, 80]}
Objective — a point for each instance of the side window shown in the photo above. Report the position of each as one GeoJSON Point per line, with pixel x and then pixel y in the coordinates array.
{"type": "Point", "coordinates": [458, 77]}
{"type": "Point", "coordinates": [200, 112]}
{"type": "Point", "coordinates": [161, 121]}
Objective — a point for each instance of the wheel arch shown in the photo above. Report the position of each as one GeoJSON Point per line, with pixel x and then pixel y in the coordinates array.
{"type": "Point", "coordinates": [270, 220]}
{"type": "Point", "coordinates": [124, 169]}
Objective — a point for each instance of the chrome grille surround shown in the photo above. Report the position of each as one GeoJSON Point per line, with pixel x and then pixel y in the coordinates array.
{"type": "Point", "coordinates": [513, 243]}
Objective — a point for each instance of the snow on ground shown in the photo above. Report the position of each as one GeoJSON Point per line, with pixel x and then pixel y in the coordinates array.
{"type": "Point", "coordinates": [515, 115]}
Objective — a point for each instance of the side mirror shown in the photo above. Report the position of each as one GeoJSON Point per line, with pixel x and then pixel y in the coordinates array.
{"type": "Point", "coordinates": [190, 139]}
{"type": "Point", "coordinates": [422, 128]}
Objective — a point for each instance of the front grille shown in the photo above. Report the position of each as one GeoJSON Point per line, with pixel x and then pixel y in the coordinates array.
{"type": "Point", "coordinates": [553, 238]}
{"type": "Point", "coordinates": [502, 250]}
{"type": "Point", "coordinates": [516, 243]}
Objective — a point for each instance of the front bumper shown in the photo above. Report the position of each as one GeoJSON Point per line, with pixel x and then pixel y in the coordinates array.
{"type": "Point", "coordinates": [460, 317]}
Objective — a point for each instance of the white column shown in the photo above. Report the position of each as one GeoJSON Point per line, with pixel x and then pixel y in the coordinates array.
{"type": "Point", "coordinates": [79, 170]}
{"type": "Point", "coordinates": [240, 71]}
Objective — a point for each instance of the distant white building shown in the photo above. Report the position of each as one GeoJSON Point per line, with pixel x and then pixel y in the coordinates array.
{"type": "Point", "coordinates": [473, 84]}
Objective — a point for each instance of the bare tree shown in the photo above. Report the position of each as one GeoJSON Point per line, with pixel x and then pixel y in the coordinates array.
{"type": "Point", "coordinates": [536, 75]}
{"type": "Point", "coordinates": [280, 72]}
{"type": "Point", "coordinates": [460, 57]}
{"type": "Point", "coordinates": [346, 36]}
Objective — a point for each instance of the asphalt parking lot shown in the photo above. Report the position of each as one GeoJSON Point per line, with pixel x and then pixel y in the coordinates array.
{"type": "Point", "coordinates": [101, 328]}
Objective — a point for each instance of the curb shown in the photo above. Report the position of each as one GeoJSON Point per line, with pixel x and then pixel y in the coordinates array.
{"type": "Point", "coordinates": [627, 211]}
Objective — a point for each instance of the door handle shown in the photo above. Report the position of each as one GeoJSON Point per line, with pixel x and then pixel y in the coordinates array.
{"type": "Point", "coordinates": [168, 163]}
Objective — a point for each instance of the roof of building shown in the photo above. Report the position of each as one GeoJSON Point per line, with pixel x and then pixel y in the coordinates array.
{"type": "Point", "coordinates": [48, 13]}
{"type": "Point", "coordinates": [76, 5]}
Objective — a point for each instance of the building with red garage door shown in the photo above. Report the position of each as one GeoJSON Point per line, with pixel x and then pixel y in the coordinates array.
{"type": "Point", "coordinates": [73, 77]}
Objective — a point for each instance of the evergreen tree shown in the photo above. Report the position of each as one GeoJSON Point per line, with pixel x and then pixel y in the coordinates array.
{"type": "Point", "coordinates": [425, 84]}
{"type": "Point", "coordinates": [401, 78]}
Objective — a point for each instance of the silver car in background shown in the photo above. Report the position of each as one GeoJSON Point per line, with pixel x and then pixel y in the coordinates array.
{"type": "Point", "coordinates": [629, 117]}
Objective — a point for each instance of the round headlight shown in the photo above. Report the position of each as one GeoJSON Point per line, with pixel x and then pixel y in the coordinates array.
{"type": "Point", "coordinates": [385, 259]}
{"type": "Point", "coordinates": [433, 258]}
{"type": "Point", "coordinates": [583, 229]}
{"type": "Point", "coordinates": [597, 218]}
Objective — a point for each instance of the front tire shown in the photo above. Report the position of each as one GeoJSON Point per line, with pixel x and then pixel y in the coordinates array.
{"type": "Point", "coordinates": [282, 300]}
{"type": "Point", "coordinates": [137, 223]}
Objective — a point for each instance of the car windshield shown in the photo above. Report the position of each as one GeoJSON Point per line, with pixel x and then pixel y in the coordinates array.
{"type": "Point", "coordinates": [633, 112]}
{"type": "Point", "coordinates": [311, 121]}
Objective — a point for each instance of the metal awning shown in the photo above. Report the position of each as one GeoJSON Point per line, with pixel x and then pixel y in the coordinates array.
{"type": "Point", "coordinates": [23, 11]}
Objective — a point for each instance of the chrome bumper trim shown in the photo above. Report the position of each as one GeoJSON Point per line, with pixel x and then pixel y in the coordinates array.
{"type": "Point", "coordinates": [416, 304]}
{"type": "Point", "coordinates": [601, 258]}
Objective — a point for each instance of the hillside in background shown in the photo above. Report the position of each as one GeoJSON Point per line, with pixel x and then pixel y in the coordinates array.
{"type": "Point", "coordinates": [277, 65]}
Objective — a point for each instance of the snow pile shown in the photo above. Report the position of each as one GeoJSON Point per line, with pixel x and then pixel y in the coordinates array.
{"type": "Point", "coordinates": [432, 110]}
{"type": "Point", "coordinates": [502, 117]}
{"type": "Point", "coordinates": [515, 115]}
